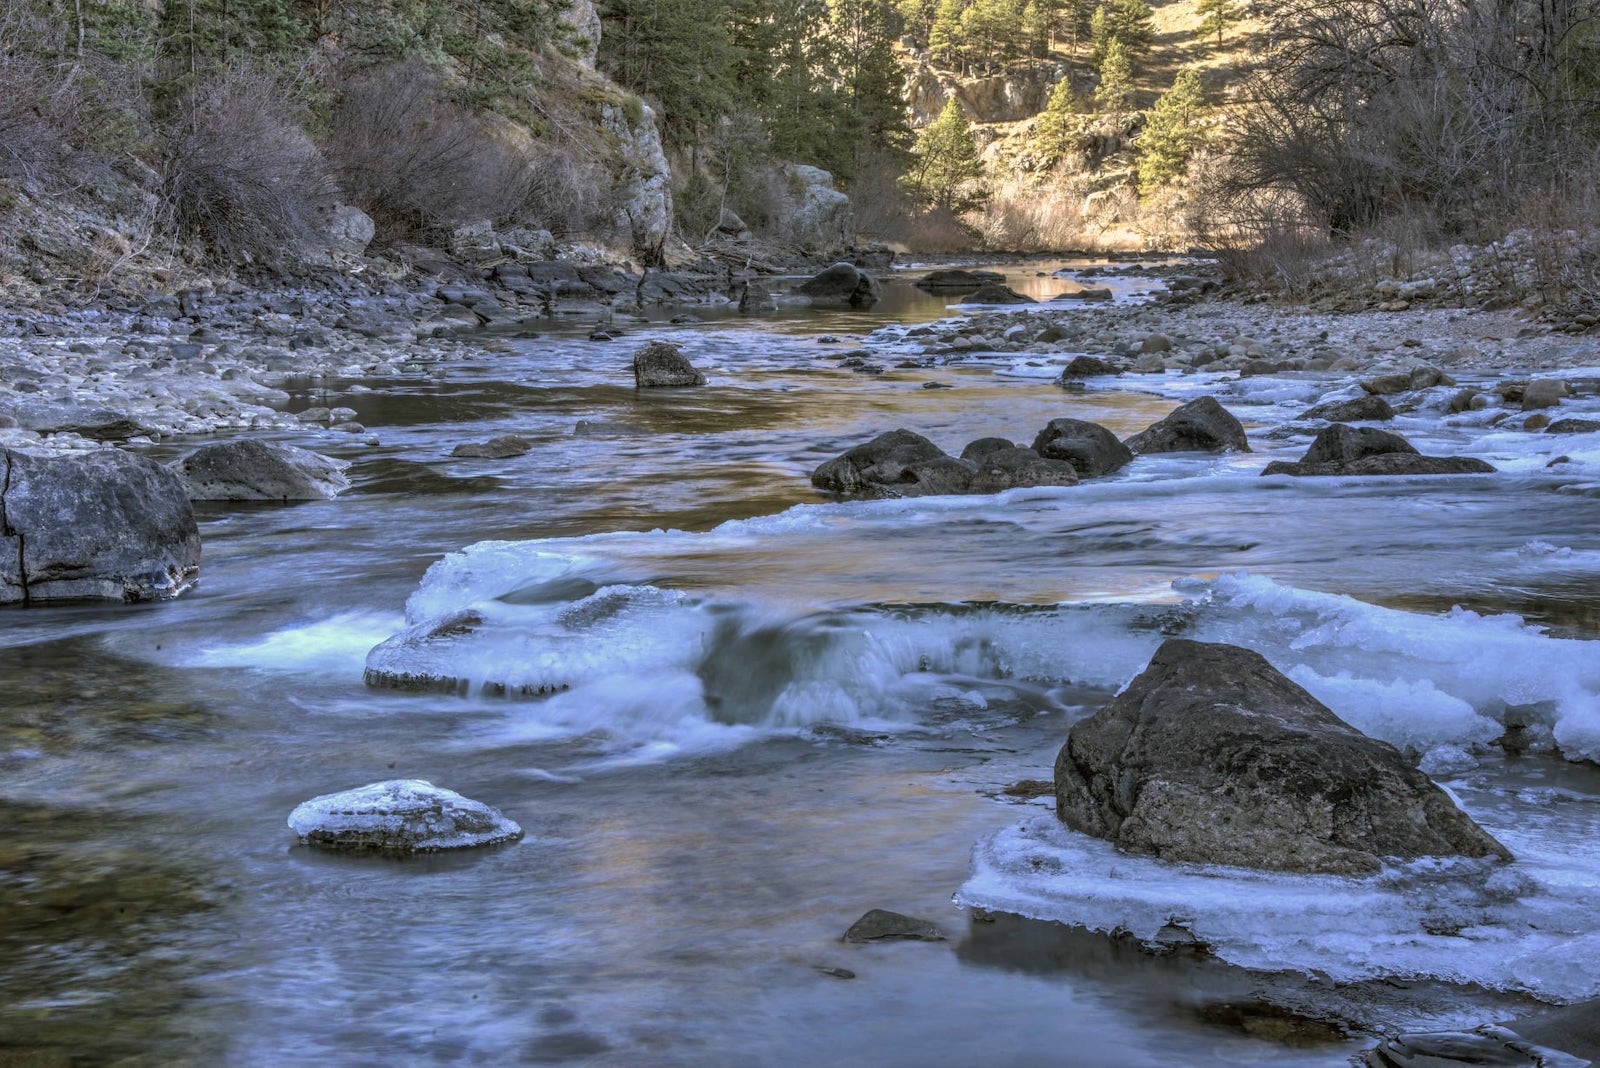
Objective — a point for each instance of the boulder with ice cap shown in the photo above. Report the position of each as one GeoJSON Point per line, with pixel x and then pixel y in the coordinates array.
{"type": "Point", "coordinates": [399, 816]}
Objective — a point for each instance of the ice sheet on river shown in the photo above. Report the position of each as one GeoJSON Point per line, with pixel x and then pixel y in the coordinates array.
{"type": "Point", "coordinates": [579, 616]}
{"type": "Point", "coordinates": [1529, 926]}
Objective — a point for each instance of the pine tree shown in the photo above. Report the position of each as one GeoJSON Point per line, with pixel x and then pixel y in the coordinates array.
{"type": "Point", "coordinates": [948, 172]}
{"type": "Point", "coordinates": [1037, 20]}
{"type": "Point", "coordinates": [1170, 132]}
{"type": "Point", "coordinates": [1128, 21]}
{"type": "Point", "coordinates": [1115, 92]}
{"type": "Point", "coordinates": [1216, 17]}
{"type": "Point", "coordinates": [872, 84]}
{"type": "Point", "coordinates": [1053, 135]}
{"type": "Point", "coordinates": [944, 38]}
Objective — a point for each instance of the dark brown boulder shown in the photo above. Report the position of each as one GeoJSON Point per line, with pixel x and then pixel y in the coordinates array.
{"type": "Point", "coordinates": [1213, 756]}
{"type": "Point", "coordinates": [1202, 425]}
{"type": "Point", "coordinates": [900, 463]}
{"type": "Point", "coordinates": [658, 364]}
{"type": "Point", "coordinates": [1349, 450]}
{"type": "Point", "coordinates": [1367, 408]}
{"type": "Point", "coordinates": [1090, 448]}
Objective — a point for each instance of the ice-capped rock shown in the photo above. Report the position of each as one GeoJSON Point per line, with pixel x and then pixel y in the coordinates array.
{"type": "Point", "coordinates": [399, 816]}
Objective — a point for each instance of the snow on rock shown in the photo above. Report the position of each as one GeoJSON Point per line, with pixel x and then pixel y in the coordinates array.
{"type": "Point", "coordinates": [399, 816]}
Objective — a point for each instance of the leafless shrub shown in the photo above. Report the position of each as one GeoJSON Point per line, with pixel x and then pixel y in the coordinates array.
{"type": "Point", "coordinates": [415, 160]}
{"type": "Point", "coordinates": [241, 177]}
{"type": "Point", "coordinates": [1022, 217]}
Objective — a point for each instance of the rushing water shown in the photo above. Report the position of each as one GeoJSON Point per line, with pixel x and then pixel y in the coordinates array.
{"type": "Point", "coordinates": [781, 712]}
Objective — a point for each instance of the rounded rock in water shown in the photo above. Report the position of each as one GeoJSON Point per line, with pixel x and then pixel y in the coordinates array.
{"type": "Point", "coordinates": [399, 816]}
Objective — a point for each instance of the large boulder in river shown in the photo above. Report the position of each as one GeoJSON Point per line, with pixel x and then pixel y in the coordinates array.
{"type": "Point", "coordinates": [399, 816]}
{"type": "Point", "coordinates": [844, 285]}
{"type": "Point", "coordinates": [956, 278]}
{"type": "Point", "coordinates": [1347, 450]}
{"type": "Point", "coordinates": [108, 525]}
{"type": "Point", "coordinates": [658, 364]}
{"type": "Point", "coordinates": [1089, 447]}
{"type": "Point", "coordinates": [1212, 756]}
{"type": "Point", "coordinates": [250, 470]}
{"type": "Point", "coordinates": [1202, 425]}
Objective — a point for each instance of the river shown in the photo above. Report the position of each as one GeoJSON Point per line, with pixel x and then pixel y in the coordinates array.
{"type": "Point", "coordinates": [784, 711]}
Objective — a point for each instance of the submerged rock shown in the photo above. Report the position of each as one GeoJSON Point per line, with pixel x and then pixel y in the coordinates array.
{"type": "Point", "coordinates": [1090, 448]}
{"type": "Point", "coordinates": [881, 925]}
{"type": "Point", "coordinates": [1213, 756]}
{"type": "Point", "coordinates": [108, 525]}
{"type": "Point", "coordinates": [249, 470]}
{"type": "Point", "coordinates": [996, 293]}
{"type": "Point", "coordinates": [499, 448]}
{"type": "Point", "coordinates": [842, 285]}
{"type": "Point", "coordinates": [956, 278]}
{"type": "Point", "coordinates": [660, 365]}
{"type": "Point", "coordinates": [1346, 450]}
{"type": "Point", "coordinates": [1202, 425]}
{"type": "Point", "coordinates": [399, 816]}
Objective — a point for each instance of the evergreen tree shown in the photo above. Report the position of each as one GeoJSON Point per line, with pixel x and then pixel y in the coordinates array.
{"type": "Point", "coordinates": [1171, 133]}
{"type": "Point", "coordinates": [1038, 21]}
{"type": "Point", "coordinates": [1072, 22]}
{"type": "Point", "coordinates": [677, 53]}
{"type": "Point", "coordinates": [944, 38]}
{"type": "Point", "coordinates": [1216, 17]}
{"type": "Point", "coordinates": [872, 84]}
{"type": "Point", "coordinates": [1127, 21]}
{"type": "Point", "coordinates": [1053, 136]}
{"type": "Point", "coordinates": [1115, 92]}
{"type": "Point", "coordinates": [947, 172]}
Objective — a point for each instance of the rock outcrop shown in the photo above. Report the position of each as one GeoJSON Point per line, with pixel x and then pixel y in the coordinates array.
{"type": "Point", "coordinates": [1346, 450]}
{"type": "Point", "coordinates": [1090, 448]}
{"type": "Point", "coordinates": [820, 217]}
{"type": "Point", "coordinates": [1213, 756]}
{"type": "Point", "coordinates": [399, 816]}
{"type": "Point", "coordinates": [249, 470]}
{"type": "Point", "coordinates": [1202, 425]}
{"type": "Point", "coordinates": [108, 525]}
{"type": "Point", "coordinates": [644, 177]}
{"type": "Point", "coordinates": [661, 365]}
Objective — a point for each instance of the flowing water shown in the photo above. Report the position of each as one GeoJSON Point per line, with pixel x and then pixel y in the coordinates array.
{"type": "Point", "coordinates": [771, 713]}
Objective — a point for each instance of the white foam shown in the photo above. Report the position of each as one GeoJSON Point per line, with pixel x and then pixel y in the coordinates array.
{"type": "Point", "coordinates": [1530, 926]}
{"type": "Point", "coordinates": [334, 646]}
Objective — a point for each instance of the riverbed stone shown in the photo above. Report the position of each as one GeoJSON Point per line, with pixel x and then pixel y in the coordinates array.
{"type": "Point", "coordinates": [659, 365]}
{"type": "Point", "coordinates": [1573, 426]}
{"type": "Point", "coordinates": [1086, 366]}
{"type": "Point", "coordinates": [996, 293]}
{"type": "Point", "coordinates": [399, 816]}
{"type": "Point", "coordinates": [900, 463]}
{"type": "Point", "coordinates": [1090, 448]}
{"type": "Point", "coordinates": [1213, 756]}
{"type": "Point", "coordinates": [841, 285]}
{"type": "Point", "coordinates": [1490, 1046]}
{"type": "Point", "coordinates": [250, 470]}
{"type": "Point", "coordinates": [1363, 409]}
{"type": "Point", "coordinates": [882, 925]}
{"type": "Point", "coordinates": [497, 448]}
{"type": "Point", "coordinates": [957, 278]}
{"type": "Point", "coordinates": [1347, 450]}
{"type": "Point", "coordinates": [1202, 425]}
{"type": "Point", "coordinates": [107, 525]}
{"type": "Point", "coordinates": [1543, 393]}
{"type": "Point", "coordinates": [1001, 465]}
